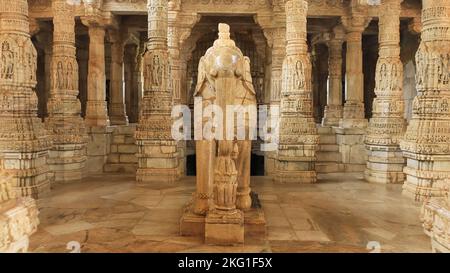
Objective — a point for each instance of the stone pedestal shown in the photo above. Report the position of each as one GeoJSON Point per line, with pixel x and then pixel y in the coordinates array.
{"type": "Point", "coordinates": [192, 224]}
{"type": "Point", "coordinates": [384, 165]}
{"type": "Point", "coordinates": [18, 220]}
{"type": "Point", "coordinates": [122, 157]}
{"type": "Point", "coordinates": [224, 228]}
{"type": "Point", "coordinates": [351, 147]}
{"type": "Point", "coordinates": [98, 148]}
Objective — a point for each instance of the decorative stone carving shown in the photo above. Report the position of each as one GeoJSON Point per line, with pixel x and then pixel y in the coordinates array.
{"type": "Point", "coordinates": [333, 109]}
{"type": "Point", "coordinates": [426, 144]}
{"type": "Point", "coordinates": [24, 143]}
{"type": "Point", "coordinates": [435, 216]}
{"type": "Point", "coordinates": [223, 184]}
{"type": "Point", "coordinates": [387, 125]}
{"type": "Point", "coordinates": [64, 123]}
{"type": "Point", "coordinates": [298, 133]}
{"type": "Point", "coordinates": [157, 150]}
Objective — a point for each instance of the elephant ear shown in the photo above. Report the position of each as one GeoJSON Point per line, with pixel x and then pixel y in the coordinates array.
{"type": "Point", "coordinates": [201, 78]}
{"type": "Point", "coordinates": [247, 77]}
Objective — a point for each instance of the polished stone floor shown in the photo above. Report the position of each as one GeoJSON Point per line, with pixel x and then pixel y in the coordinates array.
{"type": "Point", "coordinates": [341, 213]}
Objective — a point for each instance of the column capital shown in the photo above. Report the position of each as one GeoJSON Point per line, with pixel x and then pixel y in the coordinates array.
{"type": "Point", "coordinates": [103, 20]}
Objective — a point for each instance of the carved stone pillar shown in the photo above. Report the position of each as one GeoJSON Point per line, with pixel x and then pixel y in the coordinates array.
{"type": "Point", "coordinates": [333, 109]}
{"type": "Point", "coordinates": [354, 116]}
{"type": "Point", "coordinates": [157, 150]}
{"type": "Point", "coordinates": [24, 143]}
{"type": "Point", "coordinates": [426, 144]}
{"type": "Point", "coordinates": [68, 155]}
{"type": "Point", "coordinates": [298, 133]}
{"type": "Point", "coordinates": [117, 113]}
{"type": "Point", "coordinates": [387, 125]}
{"type": "Point", "coordinates": [96, 108]}
{"type": "Point", "coordinates": [278, 55]}
{"type": "Point", "coordinates": [277, 40]}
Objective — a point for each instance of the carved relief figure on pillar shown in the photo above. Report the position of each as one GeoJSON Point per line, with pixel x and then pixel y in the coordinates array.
{"type": "Point", "coordinates": [24, 142]}
{"type": "Point", "coordinates": [64, 123]}
{"type": "Point", "coordinates": [386, 128]}
{"type": "Point", "coordinates": [157, 154]}
{"type": "Point", "coordinates": [298, 133]}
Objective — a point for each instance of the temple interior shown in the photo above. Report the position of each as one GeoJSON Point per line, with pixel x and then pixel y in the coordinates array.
{"type": "Point", "coordinates": [88, 162]}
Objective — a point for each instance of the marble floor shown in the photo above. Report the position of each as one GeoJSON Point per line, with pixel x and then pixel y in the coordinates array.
{"type": "Point", "coordinates": [340, 213]}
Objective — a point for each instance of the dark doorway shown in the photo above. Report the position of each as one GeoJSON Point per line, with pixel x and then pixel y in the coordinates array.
{"type": "Point", "coordinates": [257, 165]}
{"type": "Point", "coordinates": [191, 165]}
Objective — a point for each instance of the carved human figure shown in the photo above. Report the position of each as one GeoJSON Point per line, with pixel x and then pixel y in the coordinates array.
{"type": "Point", "coordinates": [7, 62]}
{"type": "Point", "coordinates": [59, 76]}
{"type": "Point", "coordinates": [224, 78]}
{"type": "Point", "coordinates": [156, 71]}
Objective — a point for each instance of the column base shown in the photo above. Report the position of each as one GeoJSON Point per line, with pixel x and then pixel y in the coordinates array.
{"type": "Point", "coordinates": [351, 148]}
{"type": "Point", "coordinates": [192, 224]}
{"type": "Point", "coordinates": [18, 220]}
{"type": "Point", "coordinates": [68, 162]}
{"type": "Point", "coordinates": [33, 181]}
{"type": "Point", "coordinates": [299, 177]}
{"type": "Point", "coordinates": [425, 178]}
{"type": "Point", "coordinates": [353, 123]}
{"type": "Point", "coordinates": [118, 120]}
{"type": "Point", "coordinates": [332, 115]}
{"type": "Point", "coordinates": [224, 228]}
{"type": "Point", "coordinates": [384, 166]}
{"type": "Point", "coordinates": [98, 148]}
{"type": "Point", "coordinates": [96, 114]}
{"type": "Point", "coordinates": [157, 162]}
{"type": "Point", "coordinates": [150, 176]}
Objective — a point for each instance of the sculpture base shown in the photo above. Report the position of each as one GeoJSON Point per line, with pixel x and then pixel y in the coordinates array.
{"type": "Point", "coordinates": [254, 223]}
{"type": "Point", "coordinates": [224, 227]}
{"type": "Point", "coordinates": [18, 220]}
{"type": "Point", "coordinates": [192, 224]}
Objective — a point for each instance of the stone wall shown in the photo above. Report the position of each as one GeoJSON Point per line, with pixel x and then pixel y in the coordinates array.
{"type": "Point", "coordinates": [122, 157]}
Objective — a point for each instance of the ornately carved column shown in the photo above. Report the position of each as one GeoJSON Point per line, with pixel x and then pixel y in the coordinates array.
{"type": "Point", "coordinates": [387, 125]}
{"type": "Point", "coordinates": [354, 116]}
{"type": "Point", "coordinates": [277, 39]}
{"type": "Point", "coordinates": [68, 155]}
{"type": "Point", "coordinates": [333, 109]}
{"type": "Point", "coordinates": [117, 113]}
{"type": "Point", "coordinates": [24, 143]}
{"type": "Point", "coordinates": [278, 55]}
{"type": "Point", "coordinates": [426, 144]}
{"type": "Point", "coordinates": [157, 154]}
{"type": "Point", "coordinates": [298, 133]}
{"type": "Point", "coordinates": [96, 108]}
